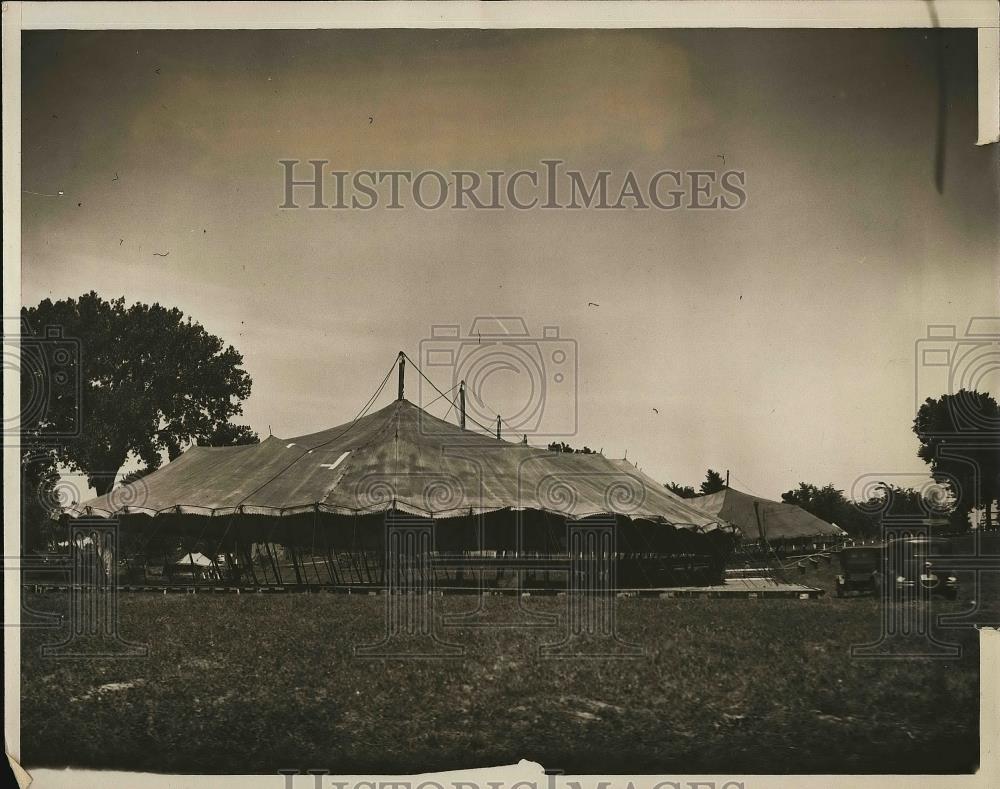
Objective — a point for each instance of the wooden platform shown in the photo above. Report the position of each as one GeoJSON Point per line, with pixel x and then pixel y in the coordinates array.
{"type": "Point", "coordinates": [742, 587]}
{"type": "Point", "coordinates": [732, 588]}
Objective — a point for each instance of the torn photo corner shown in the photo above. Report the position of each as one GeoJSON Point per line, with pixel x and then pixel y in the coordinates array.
{"type": "Point", "coordinates": [501, 395]}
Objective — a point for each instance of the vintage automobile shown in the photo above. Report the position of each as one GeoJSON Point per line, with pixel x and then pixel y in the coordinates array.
{"type": "Point", "coordinates": [860, 570]}
{"type": "Point", "coordinates": [908, 566]}
{"type": "Point", "coordinates": [914, 565]}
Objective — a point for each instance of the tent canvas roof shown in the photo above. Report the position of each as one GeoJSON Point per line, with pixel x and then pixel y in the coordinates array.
{"type": "Point", "coordinates": [399, 457]}
{"type": "Point", "coordinates": [780, 520]}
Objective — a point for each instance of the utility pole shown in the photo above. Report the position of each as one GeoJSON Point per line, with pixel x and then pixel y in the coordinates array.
{"type": "Point", "coordinates": [727, 479]}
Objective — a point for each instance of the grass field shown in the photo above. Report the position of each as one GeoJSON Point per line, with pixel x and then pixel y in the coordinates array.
{"type": "Point", "coordinates": [258, 683]}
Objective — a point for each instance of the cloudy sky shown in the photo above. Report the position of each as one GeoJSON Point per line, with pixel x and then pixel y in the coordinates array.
{"type": "Point", "coordinates": [777, 341]}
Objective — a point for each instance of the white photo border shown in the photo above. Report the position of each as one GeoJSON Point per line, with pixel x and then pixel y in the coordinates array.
{"type": "Point", "coordinates": [984, 15]}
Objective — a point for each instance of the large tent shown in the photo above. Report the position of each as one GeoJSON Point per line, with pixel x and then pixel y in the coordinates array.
{"type": "Point", "coordinates": [327, 495]}
{"type": "Point", "coordinates": [763, 519]}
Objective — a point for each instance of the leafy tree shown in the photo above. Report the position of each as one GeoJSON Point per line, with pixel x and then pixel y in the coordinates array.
{"type": "Point", "coordinates": [149, 380]}
{"type": "Point", "coordinates": [861, 518]}
{"type": "Point", "coordinates": [39, 499]}
{"type": "Point", "coordinates": [713, 483]}
{"type": "Point", "coordinates": [907, 501]}
{"type": "Point", "coordinates": [684, 491]}
{"type": "Point", "coordinates": [959, 434]}
{"type": "Point", "coordinates": [830, 504]}
{"type": "Point", "coordinates": [827, 502]}
{"type": "Point", "coordinates": [227, 434]}
{"type": "Point", "coordinates": [132, 476]}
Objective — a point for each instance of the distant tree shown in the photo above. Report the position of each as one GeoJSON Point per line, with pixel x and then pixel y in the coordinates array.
{"type": "Point", "coordinates": [149, 380]}
{"type": "Point", "coordinates": [829, 503]}
{"type": "Point", "coordinates": [684, 491]}
{"type": "Point", "coordinates": [907, 501]}
{"type": "Point", "coordinates": [39, 499]}
{"type": "Point", "coordinates": [958, 435]}
{"type": "Point", "coordinates": [132, 476]}
{"type": "Point", "coordinates": [226, 434]}
{"type": "Point", "coordinates": [898, 501]}
{"type": "Point", "coordinates": [562, 446]}
{"type": "Point", "coordinates": [713, 483]}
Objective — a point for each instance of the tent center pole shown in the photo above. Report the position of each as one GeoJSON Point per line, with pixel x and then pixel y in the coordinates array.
{"type": "Point", "coordinates": [461, 404]}
{"type": "Point", "coordinates": [402, 373]}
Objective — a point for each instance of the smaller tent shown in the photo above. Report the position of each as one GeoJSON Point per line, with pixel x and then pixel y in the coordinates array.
{"type": "Point", "coordinates": [759, 518]}
{"type": "Point", "coordinates": [196, 559]}
{"type": "Point", "coordinates": [196, 564]}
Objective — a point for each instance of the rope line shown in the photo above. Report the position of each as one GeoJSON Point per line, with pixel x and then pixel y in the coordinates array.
{"type": "Point", "coordinates": [444, 395]}
{"type": "Point", "coordinates": [747, 487]}
{"type": "Point", "coordinates": [489, 430]}
{"type": "Point", "coordinates": [267, 482]}
{"type": "Point", "coordinates": [351, 424]}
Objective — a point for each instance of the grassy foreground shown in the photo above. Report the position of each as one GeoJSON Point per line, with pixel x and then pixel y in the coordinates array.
{"type": "Point", "coordinates": [257, 683]}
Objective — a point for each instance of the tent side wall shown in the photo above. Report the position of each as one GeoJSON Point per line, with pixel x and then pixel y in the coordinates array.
{"type": "Point", "coordinates": [323, 549]}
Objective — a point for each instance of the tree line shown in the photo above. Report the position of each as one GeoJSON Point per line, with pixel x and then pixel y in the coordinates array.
{"type": "Point", "coordinates": [958, 435]}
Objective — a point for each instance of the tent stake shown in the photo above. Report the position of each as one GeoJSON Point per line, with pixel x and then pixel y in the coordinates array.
{"type": "Point", "coordinates": [248, 558]}
{"type": "Point", "coordinates": [295, 564]}
{"type": "Point", "coordinates": [355, 567]}
{"type": "Point", "coordinates": [319, 579]}
{"type": "Point", "coordinates": [333, 561]}
{"type": "Point", "coordinates": [194, 573]}
{"type": "Point", "coordinates": [368, 572]}
{"type": "Point", "coordinates": [271, 554]}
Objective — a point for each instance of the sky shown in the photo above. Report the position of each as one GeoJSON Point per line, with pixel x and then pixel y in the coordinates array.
{"type": "Point", "coordinates": [777, 341]}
